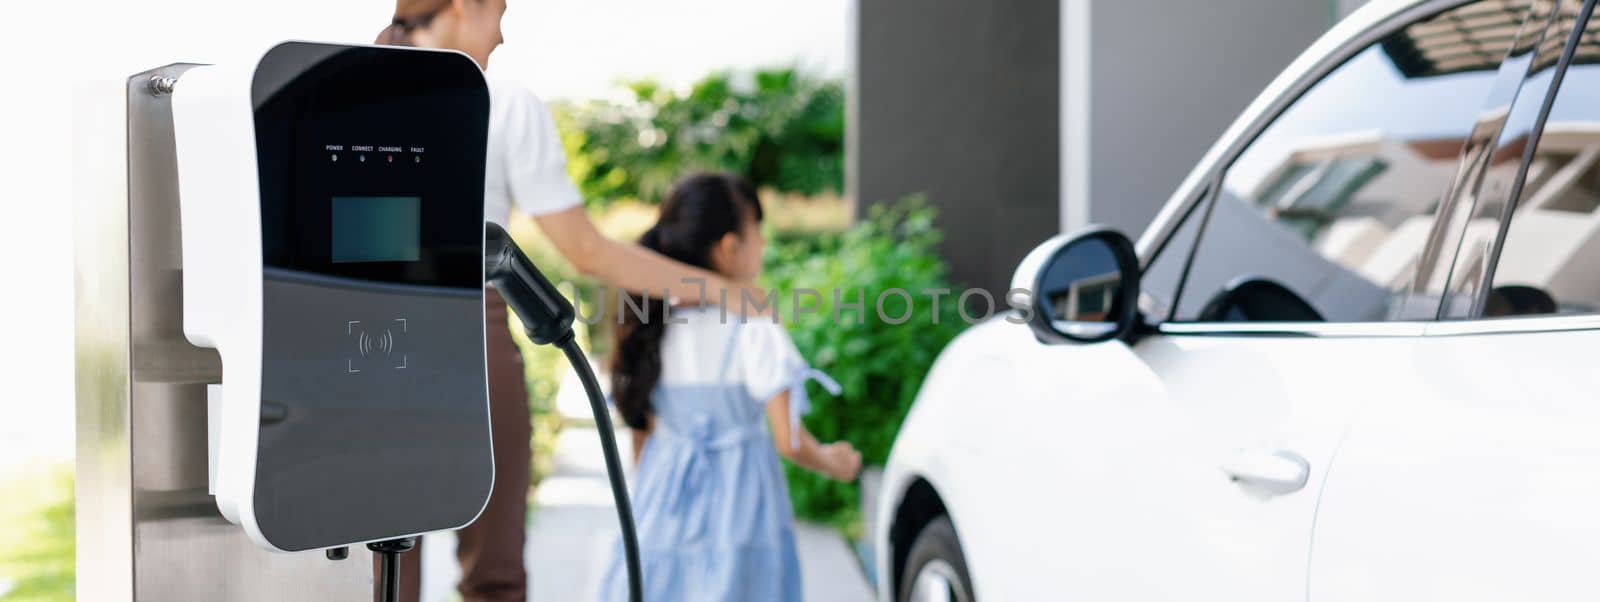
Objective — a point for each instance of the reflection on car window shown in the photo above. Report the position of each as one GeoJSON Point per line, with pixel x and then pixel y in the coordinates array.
{"type": "Point", "coordinates": [1334, 201]}
{"type": "Point", "coordinates": [1472, 214]}
{"type": "Point", "coordinates": [1552, 246]}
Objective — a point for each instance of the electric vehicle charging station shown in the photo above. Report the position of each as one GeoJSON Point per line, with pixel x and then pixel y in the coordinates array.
{"type": "Point", "coordinates": [332, 252]}
{"type": "Point", "coordinates": [336, 265]}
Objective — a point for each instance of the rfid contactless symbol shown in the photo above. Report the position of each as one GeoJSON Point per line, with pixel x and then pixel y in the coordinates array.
{"type": "Point", "coordinates": [376, 343]}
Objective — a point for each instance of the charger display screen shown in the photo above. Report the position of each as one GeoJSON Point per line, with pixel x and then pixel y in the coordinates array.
{"type": "Point", "coordinates": [376, 228]}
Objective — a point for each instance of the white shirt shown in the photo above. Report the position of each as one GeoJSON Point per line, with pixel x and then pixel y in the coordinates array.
{"type": "Point", "coordinates": [707, 349]}
{"type": "Point", "coordinates": [708, 345]}
{"type": "Point", "coordinates": [526, 164]}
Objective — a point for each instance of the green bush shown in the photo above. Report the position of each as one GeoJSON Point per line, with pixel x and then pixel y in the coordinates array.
{"type": "Point", "coordinates": [781, 129]}
{"type": "Point", "coordinates": [879, 364]}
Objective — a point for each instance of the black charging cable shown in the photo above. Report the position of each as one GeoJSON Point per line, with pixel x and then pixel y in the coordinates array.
{"type": "Point", "coordinates": [389, 552]}
{"type": "Point", "coordinates": [548, 318]}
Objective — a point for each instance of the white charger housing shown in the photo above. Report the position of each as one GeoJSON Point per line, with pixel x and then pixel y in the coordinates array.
{"type": "Point", "coordinates": [220, 222]}
{"type": "Point", "coordinates": [332, 222]}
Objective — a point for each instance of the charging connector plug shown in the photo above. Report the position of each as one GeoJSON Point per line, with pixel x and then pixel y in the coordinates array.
{"type": "Point", "coordinates": [548, 318]}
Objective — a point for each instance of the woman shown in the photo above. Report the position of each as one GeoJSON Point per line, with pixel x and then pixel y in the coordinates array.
{"type": "Point", "coordinates": [526, 171]}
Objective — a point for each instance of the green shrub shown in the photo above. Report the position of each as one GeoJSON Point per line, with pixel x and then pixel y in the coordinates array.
{"type": "Point", "coordinates": [781, 129]}
{"type": "Point", "coordinates": [879, 364]}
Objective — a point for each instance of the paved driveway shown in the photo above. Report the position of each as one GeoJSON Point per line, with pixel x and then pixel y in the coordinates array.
{"type": "Point", "coordinates": [574, 525]}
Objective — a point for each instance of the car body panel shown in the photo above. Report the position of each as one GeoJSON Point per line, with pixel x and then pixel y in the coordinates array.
{"type": "Point", "coordinates": [1239, 402]}
{"type": "Point", "coordinates": [1023, 463]}
{"type": "Point", "coordinates": [981, 390]}
{"type": "Point", "coordinates": [1482, 486]}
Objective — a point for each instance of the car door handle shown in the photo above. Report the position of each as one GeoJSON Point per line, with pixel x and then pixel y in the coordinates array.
{"type": "Point", "coordinates": [1275, 472]}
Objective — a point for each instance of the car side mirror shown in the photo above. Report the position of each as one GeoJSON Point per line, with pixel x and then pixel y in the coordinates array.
{"type": "Point", "coordinates": [1081, 287]}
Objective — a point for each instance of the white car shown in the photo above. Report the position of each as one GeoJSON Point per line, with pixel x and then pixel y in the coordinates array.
{"type": "Point", "coordinates": [1355, 357]}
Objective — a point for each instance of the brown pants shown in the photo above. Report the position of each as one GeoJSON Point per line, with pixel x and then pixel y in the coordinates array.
{"type": "Point", "coordinates": [490, 549]}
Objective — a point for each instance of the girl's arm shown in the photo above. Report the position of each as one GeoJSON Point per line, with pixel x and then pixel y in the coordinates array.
{"type": "Point", "coordinates": [635, 268]}
{"type": "Point", "coordinates": [838, 460]}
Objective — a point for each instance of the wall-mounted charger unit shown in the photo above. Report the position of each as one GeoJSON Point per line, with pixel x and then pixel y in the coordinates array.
{"type": "Point", "coordinates": [332, 230]}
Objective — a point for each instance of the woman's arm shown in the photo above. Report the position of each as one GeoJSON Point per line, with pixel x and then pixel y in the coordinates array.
{"type": "Point", "coordinates": [838, 460]}
{"type": "Point", "coordinates": [635, 268]}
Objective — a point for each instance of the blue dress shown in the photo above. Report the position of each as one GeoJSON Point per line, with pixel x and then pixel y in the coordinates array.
{"type": "Point", "coordinates": [712, 510]}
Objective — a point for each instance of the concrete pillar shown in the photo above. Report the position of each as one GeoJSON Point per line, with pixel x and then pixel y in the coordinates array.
{"type": "Point", "coordinates": [1345, 7]}
{"type": "Point", "coordinates": [1157, 83]}
{"type": "Point", "coordinates": [957, 99]}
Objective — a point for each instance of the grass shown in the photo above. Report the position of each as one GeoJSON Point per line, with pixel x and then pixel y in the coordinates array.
{"type": "Point", "coordinates": [37, 559]}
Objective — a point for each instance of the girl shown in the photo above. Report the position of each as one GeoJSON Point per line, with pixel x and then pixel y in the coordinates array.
{"type": "Point", "coordinates": [713, 513]}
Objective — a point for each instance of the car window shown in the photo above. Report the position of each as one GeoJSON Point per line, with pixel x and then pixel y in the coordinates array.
{"type": "Point", "coordinates": [1325, 214]}
{"type": "Point", "coordinates": [1552, 242]}
{"type": "Point", "coordinates": [1159, 283]}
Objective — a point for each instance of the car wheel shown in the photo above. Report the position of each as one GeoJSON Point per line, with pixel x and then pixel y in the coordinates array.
{"type": "Point", "coordinates": [936, 570]}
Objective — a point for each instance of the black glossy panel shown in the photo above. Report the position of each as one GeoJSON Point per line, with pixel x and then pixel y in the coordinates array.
{"type": "Point", "coordinates": [372, 122]}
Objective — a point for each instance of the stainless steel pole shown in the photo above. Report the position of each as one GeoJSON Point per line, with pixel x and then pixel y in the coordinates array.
{"type": "Point", "coordinates": [147, 529]}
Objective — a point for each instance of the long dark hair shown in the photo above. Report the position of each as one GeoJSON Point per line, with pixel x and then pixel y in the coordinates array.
{"type": "Point", "coordinates": [699, 210]}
